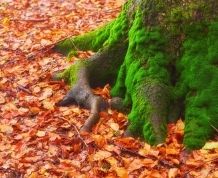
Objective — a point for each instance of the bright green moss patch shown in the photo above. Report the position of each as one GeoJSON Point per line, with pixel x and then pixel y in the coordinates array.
{"type": "Point", "coordinates": [89, 41]}
{"type": "Point", "coordinates": [199, 73]}
{"type": "Point", "coordinates": [145, 60]}
{"type": "Point", "coordinates": [70, 75]}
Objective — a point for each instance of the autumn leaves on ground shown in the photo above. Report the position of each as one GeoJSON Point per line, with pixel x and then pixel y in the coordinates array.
{"type": "Point", "coordinates": [38, 139]}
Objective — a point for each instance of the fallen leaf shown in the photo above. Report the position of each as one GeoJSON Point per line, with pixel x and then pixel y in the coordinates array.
{"type": "Point", "coordinates": [172, 151]}
{"type": "Point", "coordinates": [40, 133]}
{"type": "Point", "coordinates": [23, 82]}
{"type": "Point", "coordinates": [53, 150]}
{"type": "Point", "coordinates": [33, 175]}
{"type": "Point", "coordinates": [36, 89]}
{"type": "Point", "coordinates": [2, 98]}
{"type": "Point", "coordinates": [34, 110]}
{"type": "Point", "coordinates": [135, 165]}
{"type": "Point", "coordinates": [47, 92]}
{"type": "Point", "coordinates": [48, 105]}
{"type": "Point", "coordinates": [121, 172]}
{"type": "Point", "coordinates": [114, 126]}
{"type": "Point", "coordinates": [173, 172]}
{"type": "Point", "coordinates": [6, 129]}
{"type": "Point", "coordinates": [45, 42]}
{"type": "Point", "coordinates": [210, 145]}
{"type": "Point", "coordinates": [6, 22]}
{"type": "Point", "coordinates": [99, 140]}
{"type": "Point", "coordinates": [100, 155]}
{"type": "Point", "coordinates": [23, 111]}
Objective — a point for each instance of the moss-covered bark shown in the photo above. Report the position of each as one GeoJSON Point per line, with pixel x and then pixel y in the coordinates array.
{"type": "Point", "coordinates": [161, 58]}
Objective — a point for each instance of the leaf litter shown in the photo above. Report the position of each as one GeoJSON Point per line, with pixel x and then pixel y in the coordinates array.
{"type": "Point", "coordinates": [39, 139]}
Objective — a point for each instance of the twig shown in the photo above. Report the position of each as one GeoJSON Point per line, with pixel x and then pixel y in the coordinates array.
{"type": "Point", "coordinates": [24, 89]}
{"type": "Point", "coordinates": [79, 136]}
{"type": "Point", "coordinates": [38, 52]}
{"type": "Point", "coordinates": [12, 171]}
{"type": "Point", "coordinates": [31, 20]}
{"type": "Point", "coordinates": [45, 49]}
{"type": "Point", "coordinates": [214, 128]}
{"type": "Point", "coordinates": [134, 153]}
{"type": "Point", "coordinates": [77, 131]}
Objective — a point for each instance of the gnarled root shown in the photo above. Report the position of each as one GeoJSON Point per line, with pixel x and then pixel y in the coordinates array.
{"type": "Point", "coordinates": [81, 94]}
{"type": "Point", "coordinates": [84, 74]}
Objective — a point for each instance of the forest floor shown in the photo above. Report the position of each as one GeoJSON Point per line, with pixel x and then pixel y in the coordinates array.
{"type": "Point", "coordinates": [39, 139]}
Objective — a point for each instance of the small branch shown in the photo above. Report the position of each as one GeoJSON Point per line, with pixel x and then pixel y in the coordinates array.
{"type": "Point", "coordinates": [45, 49]}
{"type": "Point", "coordinates": [79, 136]}
{"type": "Point", "coordinates": [40, 51]}
{"type": "Point", "coordinates": [214, 128]}
{"type": "Point", "coordinates": [134, 153]}
{"type": "Point", "coordinates": [12, 172]}
{"type": "Point", "coordinates": [31, 20]}
{"type": "Point", "coordinates": [77, 131]}
{"type": "Point", "coordinates": [24, 89]}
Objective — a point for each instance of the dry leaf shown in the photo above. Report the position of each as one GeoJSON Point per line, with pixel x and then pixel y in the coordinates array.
{"type": "Point", "coordinates": [6, 22]}
{"type": "Point", "coordinates": [114, 126]}
{"type": "Point", "coordinates": [135, 165]}
{"type": "Point", "coordinates": [121, 172]}
{"type": "Point", "coordinates": [45, 42]}
{"type": "Point", "coordinates": [6, 129]}
{"type": "Point", "coordinates": [48, 105]}
{"type": "Point", "coordinates": [47, 92]}
{"type": "Point", "coordinates": [33, 175]}
{"type": "Point", "coordinates": [100, 155]}
{"type": "Point", "coordinates": [36, 89]}
{"type": "Point", "coordinates": [2, 98]}
{"type": "Point", "coordinates": [34, 110]}
{"type": "Point", "coordinates": [210, 145]}
{"type": "Point", "coordinates": [40, 133]}
{"type": "Point", "coordinates": [113, 162]}
{"type": "Point", "coordinates": [173, 172]}
{"type": "Point", "coordinates": [99, 140]}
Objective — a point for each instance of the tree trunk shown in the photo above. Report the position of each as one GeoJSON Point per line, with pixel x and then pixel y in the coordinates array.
{"type": "Point", "coordinates": [161, 58]}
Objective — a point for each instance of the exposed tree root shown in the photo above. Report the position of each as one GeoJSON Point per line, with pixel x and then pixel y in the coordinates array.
{"type": "Point", "coordinates": [90, 73]}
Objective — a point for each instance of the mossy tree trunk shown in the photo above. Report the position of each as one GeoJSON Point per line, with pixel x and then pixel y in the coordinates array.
{"type": "Point", "coordinates": [161, 58]}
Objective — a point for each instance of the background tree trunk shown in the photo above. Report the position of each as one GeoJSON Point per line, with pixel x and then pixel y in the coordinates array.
{"type": "Point", "coordinates": [161, 58]}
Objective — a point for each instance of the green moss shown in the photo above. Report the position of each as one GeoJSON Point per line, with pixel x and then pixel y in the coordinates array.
{"type": "Point", "coordinates": [88, 41]}
{"type": "Point", "coordinates": [145, 60]}
{"type": "Point", "coordinates": [199, 75]}
{"type": "Point", "coordinates": [70, 75]}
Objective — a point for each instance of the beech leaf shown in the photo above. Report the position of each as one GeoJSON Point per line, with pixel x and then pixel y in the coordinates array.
{"type": "Point", "coordinates": [6, 129]}
{"type": "Point", "coordinates": [100, 155]}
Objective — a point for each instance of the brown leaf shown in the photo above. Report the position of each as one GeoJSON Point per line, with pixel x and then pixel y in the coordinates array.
{"type": "Point", "coordinates": [121, 172]}
{"type": "Point", "coordinates": [172, 173]}
{"type": "Point", "coordinates": [41, 133]}
{"type": "Point", "coordinates": [128, 142]}
{"type": "Point", "coordinates": [47, 92]}
{"type": "Point", "coordinates": [4, 128]}
{"type": "Point", "coordinates": [100, 155]}
{"type": "Point", "coordinates": [114, 126]}
{"type": "Point", "coordinates": [135, 165]}
{"type": "Point", "coordinates": [99, 140]}
{"type": "Point", "coordinates": [2, 98]}
{"type": "Point", "coordinates": [48, 105]}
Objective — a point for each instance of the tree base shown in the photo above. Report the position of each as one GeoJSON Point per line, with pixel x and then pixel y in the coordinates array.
{"type": "Point", "coordinates": [162, 63]}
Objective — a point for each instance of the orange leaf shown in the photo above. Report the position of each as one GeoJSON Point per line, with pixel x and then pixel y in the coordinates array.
{"type": "Point", "coordinates": [100, 155]}
{"type": "Point", "coordinates": [121, 172]}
